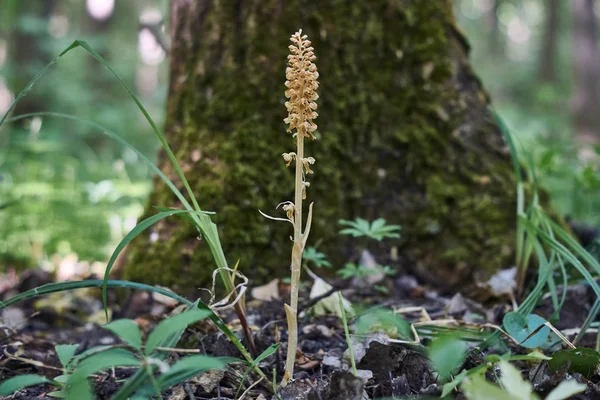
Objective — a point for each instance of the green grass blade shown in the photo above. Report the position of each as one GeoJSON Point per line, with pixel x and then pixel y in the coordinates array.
{"type": "Point", "coordinates": [553, 290]}
{"type": "Point", "coordinates": [50, 288]}
{"type": "Point", "coordinates": [139, 228]}
{"type": "Point", "coordinates": [511, 144]}
{"type": "Point", "coordinates": [188, 367]}
{"type": "Point", "coordinates": [34, 80]}
{"type": "Point", "coordinates": [64, 286]}
{"type": "Point", "coordinates": [270, 350]}
{"type": "Point", "coordinates": [161, 137]}
{"type": "Point", "coordinates": [569, 256]}
{"type": "Point", "coordinates": [565, 237]}
{"type": "Point", "coordinates": [347, 332]}
{"type": "Point", "coordinates": [588, 321]}
{"type": "Point", "coordinates": [203, 224]}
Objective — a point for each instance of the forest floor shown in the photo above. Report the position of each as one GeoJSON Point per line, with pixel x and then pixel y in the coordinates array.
{"type": "Point", "coordinates": [387, 368]}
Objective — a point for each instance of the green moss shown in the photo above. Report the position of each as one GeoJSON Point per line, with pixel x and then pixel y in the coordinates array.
{"type": "Point", "coordinates": [402, 135]}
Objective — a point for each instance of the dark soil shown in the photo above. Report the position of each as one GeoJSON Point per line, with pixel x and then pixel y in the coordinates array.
{"type": "Point", "coordinates": [386, 369]}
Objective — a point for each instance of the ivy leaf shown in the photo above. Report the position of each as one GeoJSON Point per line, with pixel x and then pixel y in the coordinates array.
{"type": "Point", "coordinates": [520, 327]}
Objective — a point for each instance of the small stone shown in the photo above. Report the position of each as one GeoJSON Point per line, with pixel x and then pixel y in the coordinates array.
{"type": "Point", "coordinates": [13, 317]}
{"type": "Point", "coordinates": [345, 386]}
{"type": "Point", "coordinates": [318, 330]}
{"type": "Point", "coordinates": [364, 374]}
{"type": "Point", "coordinates": [456, 305]}
{"type": "Point", "coordinates": [297, 389]}
{"type": "Point", "coordinates": [332, 361]}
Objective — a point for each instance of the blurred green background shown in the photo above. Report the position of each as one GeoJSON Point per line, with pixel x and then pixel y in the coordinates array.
{"type": "Point", "coordinates": [66, 189]}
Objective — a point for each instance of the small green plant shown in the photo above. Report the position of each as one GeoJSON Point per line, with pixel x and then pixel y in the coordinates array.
{"type": "Point", "coordinates": [541, 239]}
{"type": "Point", "coordinates": [74, 384]}
{"type": "Point", "coordinates": [377, 229]}
{"type": "Point", "coordinates": [382, 320]}
{"type": "Point", "coordinates": [312, 255]}
{"type": "Point", "coordinates": [490, 362]}
{"type": "Point", "coordinates": [359, 271]}
{"type": "Point", "coordinates": [352, 270]}
{"type": "Point", "coordinates": [269, 351]}
{"type": "Point", "coordinates": [513, 387]}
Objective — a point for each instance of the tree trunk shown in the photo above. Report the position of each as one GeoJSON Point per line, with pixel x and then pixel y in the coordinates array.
{"type": "Point", "coordinates": [587, 72]}
{"type": "Point", "coordinates": [547, 69]}
{"type": "Point", "coordinates": [404, 134]}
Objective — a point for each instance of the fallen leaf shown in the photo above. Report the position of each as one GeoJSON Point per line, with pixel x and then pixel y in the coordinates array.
{"type": "Point", "coordinates": [267, 292]}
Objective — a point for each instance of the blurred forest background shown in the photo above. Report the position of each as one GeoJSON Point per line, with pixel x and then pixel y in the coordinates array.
{"type": "Point", "coordinates": [69, 193]}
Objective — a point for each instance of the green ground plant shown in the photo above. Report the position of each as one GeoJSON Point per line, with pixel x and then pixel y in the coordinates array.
{"type": "Point", "coordinates": [376, 230]}
{"type": "Point", "coordinates": [315, 257]}
{"type": "Point", "coordinates": [513, 387]}
{"type": "Point", "coordinates": [74, 383]}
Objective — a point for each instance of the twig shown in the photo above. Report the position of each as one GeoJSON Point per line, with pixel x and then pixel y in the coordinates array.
{"type": "Point", "coordinates": [250, 387]}
{"type": "Point", "coordinates": [189, 391]}
{"type": "Point", "coordinates": [320, 297]}
{"type": "Point", "coordinates": [31, 362]}
{"type": "Point", "coordinates": [154, 29]}
{"type": "Point", "coordinates": [176, 350]}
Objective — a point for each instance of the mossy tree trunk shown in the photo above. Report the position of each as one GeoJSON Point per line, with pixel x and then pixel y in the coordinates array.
{"type": "Point", "coordinates": [404, 134]}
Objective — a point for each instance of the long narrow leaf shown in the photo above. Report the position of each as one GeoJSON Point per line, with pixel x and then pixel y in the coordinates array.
{"type": "Point", "coordinates": [270, 350]}
{"type": "Point", "coordinates": [139, 228]}
{"type": "Point", "coordinates": [65, 286]}
{"type": "Point", "coordinates": [84, 45]}
{"type": "Point", "coordinates": [568, 255]}
{"type": "Point", "coordinates": [188, 367]}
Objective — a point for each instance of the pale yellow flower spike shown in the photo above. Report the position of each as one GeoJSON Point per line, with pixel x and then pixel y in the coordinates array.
{"type": "Point", "coordinates": [301, 92]}
{"type": "Point", "coordinates": [302, 84]}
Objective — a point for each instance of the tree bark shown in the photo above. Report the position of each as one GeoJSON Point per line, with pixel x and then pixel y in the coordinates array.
{"type": "Point", "coordinates": [547, 69]}
{"type": "Point", "coordinates": [587, 72]}
{"type": "Point", "coordinates": [404, 134]}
